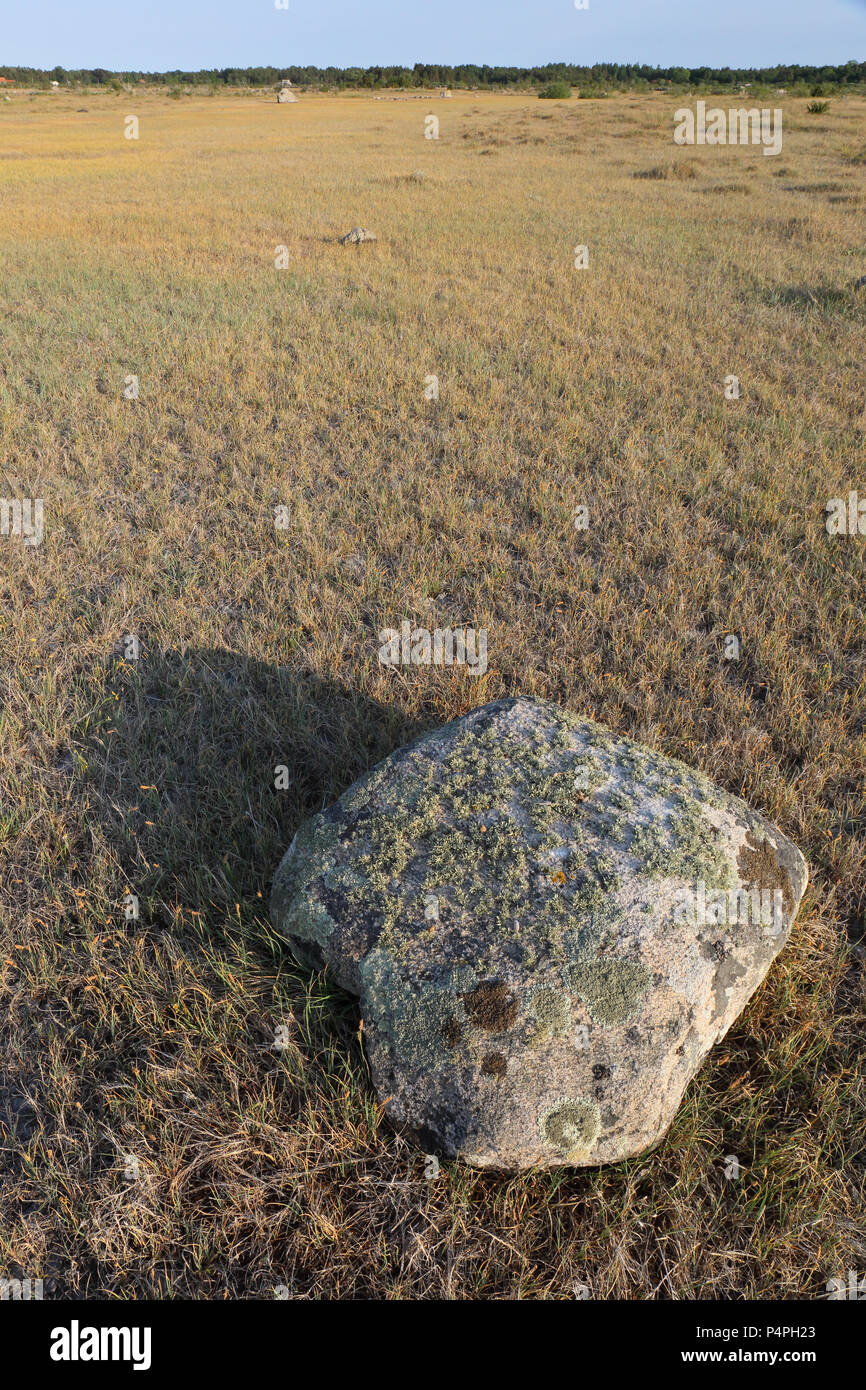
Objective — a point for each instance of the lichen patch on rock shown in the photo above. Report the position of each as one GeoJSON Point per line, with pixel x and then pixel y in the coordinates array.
{"type": "Point", "coordinates": [571, 1127]}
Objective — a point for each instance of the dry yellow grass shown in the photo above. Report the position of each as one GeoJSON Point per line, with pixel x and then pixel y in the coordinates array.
{"type": "Point", "coordinates": [146, 1047]}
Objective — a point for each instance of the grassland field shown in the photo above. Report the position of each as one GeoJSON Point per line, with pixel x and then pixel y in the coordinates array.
{"type": "Point", "coordinates": [154, 1142]}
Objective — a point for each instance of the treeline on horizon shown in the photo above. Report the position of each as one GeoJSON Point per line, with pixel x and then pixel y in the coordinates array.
{"type": "Point", "coordinates": [472, 75]}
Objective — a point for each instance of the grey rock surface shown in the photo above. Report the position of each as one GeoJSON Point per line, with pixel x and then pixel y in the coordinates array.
{"type": "Point", "coordinates": [548, 927]}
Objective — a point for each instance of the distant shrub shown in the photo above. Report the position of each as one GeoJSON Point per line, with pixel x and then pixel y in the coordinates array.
{"type": "Point", "coordinates": [817, 108]}
{"type": "Point", "coordinates": [555, 91]}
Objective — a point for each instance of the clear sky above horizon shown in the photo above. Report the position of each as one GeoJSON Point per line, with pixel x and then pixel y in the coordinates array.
{"type": "Point", "coordinates": [192, 34]}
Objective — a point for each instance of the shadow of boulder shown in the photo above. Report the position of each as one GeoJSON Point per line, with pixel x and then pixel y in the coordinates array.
{"type": "Point", "coordinates": [185, 780]}
{"type": "Point", "coordinates": [808, 299]}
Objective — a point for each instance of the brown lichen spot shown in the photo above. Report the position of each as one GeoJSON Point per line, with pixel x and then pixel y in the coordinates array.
{"type": "Point", "coordinates": [761, 868]}
{"type": "Point", "coordinates": [491, 1006]}
{"type": "Point", "coordinates": [452, 1032]}
{"type": "Point", "coordinates": [494, 1064]}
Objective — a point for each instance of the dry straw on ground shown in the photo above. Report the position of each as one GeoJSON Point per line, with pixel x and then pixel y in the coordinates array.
{"type": "Point", "coordinates": [148, 1046]}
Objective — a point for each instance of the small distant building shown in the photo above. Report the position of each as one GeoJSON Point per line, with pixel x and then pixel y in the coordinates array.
{"type": "Point", "coordinates": [444, 92]}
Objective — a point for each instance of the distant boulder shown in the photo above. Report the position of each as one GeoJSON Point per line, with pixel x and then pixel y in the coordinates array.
{"type": "Point", "coordinates": [357, 235]}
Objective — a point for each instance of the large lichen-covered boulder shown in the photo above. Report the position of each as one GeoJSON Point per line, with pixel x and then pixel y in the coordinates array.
{"type": "Point", "coordinates": [548, 927]}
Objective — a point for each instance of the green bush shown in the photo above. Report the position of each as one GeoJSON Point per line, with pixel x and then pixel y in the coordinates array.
{"type": "Point", "coordinates": [817, 108]}
{"type": "Point", "coordinates": [555, 91]}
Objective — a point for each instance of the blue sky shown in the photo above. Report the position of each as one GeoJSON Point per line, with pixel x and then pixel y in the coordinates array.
{"type": "Point", "coordinates": [160, 34]}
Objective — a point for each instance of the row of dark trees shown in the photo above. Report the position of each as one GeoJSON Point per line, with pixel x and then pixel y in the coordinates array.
{"type": "Point", "coordinates": [430, 75]}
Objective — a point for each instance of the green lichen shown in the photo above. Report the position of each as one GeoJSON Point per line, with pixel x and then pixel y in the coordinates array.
{"type": "Point", "coordinates": [424, 1022]}
{"type": "Point", "coordinates": [684, 845]}
{"type": "Point", "coordinates": [308, 920]}
{"type": "Point", "coordinates": [551, 1010]}
{"type": "Point", "coordinates": [524, 838]}
{"type": "Point", "coordinates": [597, 916]}
{"type": "Point", "coordinates": [469, 839]}
{"type": "Point", "coordinates": [612, 988]}
{"type": "Point", "coordinates": [571, 1127]}
{"type": "Point", "coordinates": [294, 904]}
{"type": "Point", "coordinates": [474, 827]}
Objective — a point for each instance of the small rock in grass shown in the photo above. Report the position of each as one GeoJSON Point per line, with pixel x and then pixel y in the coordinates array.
{"type": "Point", "coordinates": [357, 235]}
